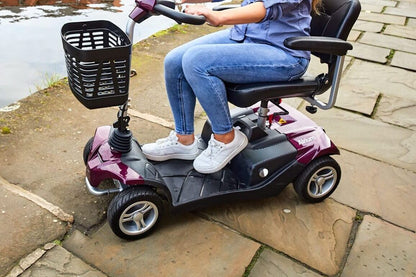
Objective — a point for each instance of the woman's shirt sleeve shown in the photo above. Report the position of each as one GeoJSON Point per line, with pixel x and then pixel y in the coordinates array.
{"type": "Point", "coordinates": [283, 19]}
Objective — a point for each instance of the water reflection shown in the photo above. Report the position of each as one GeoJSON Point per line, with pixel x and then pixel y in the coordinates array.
{"type": "Point", "coordinates": [78, 4]}
{"type": "Point", "coordinates": [31, 52]}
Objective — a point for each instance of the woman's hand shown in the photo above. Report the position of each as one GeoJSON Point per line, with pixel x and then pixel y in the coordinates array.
{"type": "Point", "coordinates": [212, 17]}
{"type": "Point", "coordinates": [251, 13]}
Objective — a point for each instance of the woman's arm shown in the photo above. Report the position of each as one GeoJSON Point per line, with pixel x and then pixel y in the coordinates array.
{"type": "Point", "coordinates": [251, 13]}
{"type": "Point", "coordinates": [192, 1]}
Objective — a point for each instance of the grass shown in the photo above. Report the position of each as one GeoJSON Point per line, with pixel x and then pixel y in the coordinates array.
{"type": "Point", "coordinates": [49, 80]}
{"type": "Point", "coordinates": [57, 242]}
{"type": "Point", "coordinates": [5, 130]}
{"type": "Point", "coordinates": [390, 56]}
{"type": "Point", "coordinates": [174, 29]}
{"type": "Point", "coordinates": [253, 261]}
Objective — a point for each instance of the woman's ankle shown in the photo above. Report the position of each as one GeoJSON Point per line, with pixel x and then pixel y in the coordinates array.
{"type": "Point", "coordinates": [225, 138]}
{"type": "Point", "coordinates": [186, 139]}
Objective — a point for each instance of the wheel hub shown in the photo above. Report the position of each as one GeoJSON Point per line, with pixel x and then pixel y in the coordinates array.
{"type": "Point", "coordinates": [138, 217]}
{"type": "Point", "coordinates": [320, 181]}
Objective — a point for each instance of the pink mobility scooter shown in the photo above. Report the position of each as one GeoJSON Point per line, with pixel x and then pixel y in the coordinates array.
{"type": "Point", "coordinates": [284, 146]}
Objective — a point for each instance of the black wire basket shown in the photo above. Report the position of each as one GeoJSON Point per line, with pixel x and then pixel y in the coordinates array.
{"type": "Point", "coordinates": [97, 55]}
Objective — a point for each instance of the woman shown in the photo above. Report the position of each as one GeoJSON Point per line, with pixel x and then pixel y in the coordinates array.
{"type": "Point", "coordinates": [251, 51]}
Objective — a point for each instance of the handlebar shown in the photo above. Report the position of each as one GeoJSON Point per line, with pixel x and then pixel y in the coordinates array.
{"type": "Point", "coordinates": [179, 17]}
{"type": "Point", "coordinates": [146, 8]}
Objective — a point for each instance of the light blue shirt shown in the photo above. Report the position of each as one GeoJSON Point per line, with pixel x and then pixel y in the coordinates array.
{"type": "Point", "coordinates": [284, 18]}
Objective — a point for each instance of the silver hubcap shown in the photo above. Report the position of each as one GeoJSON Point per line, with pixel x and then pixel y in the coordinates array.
{"type": "Point", "coordinates": [322, 182]}
{"type": "Point", "coordinates": [138, 218]}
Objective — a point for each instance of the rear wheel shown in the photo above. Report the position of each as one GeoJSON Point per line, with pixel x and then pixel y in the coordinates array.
{"type": "Point", "coordinates": [319, 179]}
{"type": "Point", "coordinates": [134, 212]}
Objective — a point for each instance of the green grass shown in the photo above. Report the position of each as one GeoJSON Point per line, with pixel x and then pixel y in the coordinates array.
{"type": "Point", "coordinates": [174, 29]}
{"type": "Point", "coordinates": [253, 261]}
{"type": "Point", "coordinates": [5, 130]}
{"type": "Point", "coordinates": [49, 80]}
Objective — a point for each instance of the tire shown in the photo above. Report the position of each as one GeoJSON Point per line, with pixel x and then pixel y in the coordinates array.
{"type": "Point", "coordinates": [87, 150]}
{"type": "Point", "coordinates": [134, 213]}
{"type": "Point", "coordinates": [319, 180]}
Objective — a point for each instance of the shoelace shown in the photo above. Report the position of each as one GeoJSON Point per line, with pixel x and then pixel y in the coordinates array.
{"type": "Point", "coordinates": [213, 148]}
{"type": "Point", "coordinates": [171, 139]}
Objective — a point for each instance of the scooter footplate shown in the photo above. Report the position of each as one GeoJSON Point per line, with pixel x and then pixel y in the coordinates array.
{"type": "Point", "coordinates": [186, 184]}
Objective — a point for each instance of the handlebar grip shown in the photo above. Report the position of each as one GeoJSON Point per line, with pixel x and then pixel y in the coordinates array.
{"type": "Point", "coordinates": [178, 16]}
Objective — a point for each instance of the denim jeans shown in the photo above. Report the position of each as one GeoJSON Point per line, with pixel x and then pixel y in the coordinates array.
{"type": "Point", "coordinates": [198, 69]}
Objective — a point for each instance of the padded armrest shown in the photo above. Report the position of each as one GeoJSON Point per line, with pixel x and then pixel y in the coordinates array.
{"type": "Point", "coordinates": [327, 45]}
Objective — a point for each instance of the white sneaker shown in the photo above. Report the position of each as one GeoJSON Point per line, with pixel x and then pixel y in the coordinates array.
{"type": "Point", "coordinates": [170, 148]}
{"type": "Point", "coordinates": [218, 154]}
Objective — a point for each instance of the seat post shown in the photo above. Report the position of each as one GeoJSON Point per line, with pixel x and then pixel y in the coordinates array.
{"type": "Point", "coordinates": [262, 114]}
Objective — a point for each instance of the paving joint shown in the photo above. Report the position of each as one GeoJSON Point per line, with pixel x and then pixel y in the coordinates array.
{"type": "Point", "coordinates": [55, 210]}
{"type": "Point", "coordinates": [294, 260]}
{"type": "Point", "coordinates": [376, 106]}
{"type": "Point", "coordinates": [262, 247]}
{"type": "Point", "coordinates": [359, 216]}
{"type": "Point", "coordinates": [254, 260]}
{"type": "Point", "coordinates": [30, 259]}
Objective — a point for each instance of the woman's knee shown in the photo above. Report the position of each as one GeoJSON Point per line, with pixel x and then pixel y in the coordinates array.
{"type": "Point", "coordinates": [172, 61]}
{"type": "Point", "coordinates": [196, 60]}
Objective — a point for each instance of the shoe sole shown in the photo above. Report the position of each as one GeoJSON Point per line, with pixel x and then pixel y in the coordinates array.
{"type": "Point", "coordinates": [226, 161]}
{"type": "Point", "coordinates": [188, 157]}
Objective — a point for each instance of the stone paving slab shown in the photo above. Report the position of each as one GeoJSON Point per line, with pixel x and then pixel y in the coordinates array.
{"type": "Point", "coordinates": [24, 227]}
{"type": "Point", "coordinates": [404, 60]}
{"type": "Point", "coordinates": [387, 3]}
{"type": "Point", "coordinates": [378, 188]}
{"type": "Point", "coordinates": [368, 26]}
{"type": "Point", "coordinates": [402, 31]}
{"type": "Point", "coordinates": [387, 80]}
{"type": "Point", "coordinates": [378, 140]}
{"type": "Point", "coordinates": [381, 250]}
{"type": "Point", "coordinates": [382, 18]}
{"type": "Point", "coordinates": [60, 262]}
{"type": "Point", "coordinates": [397, 111]}
{"type": "Point", "coordinates": [406, 4]}
{"type": "Point", "coordinates": [354, 35]}
{"type": "Point", "coordinates": [271, 264]}
{"type": "Point", "coordinates": [372, 7]}
{"type": "Point", "coordinates": [314, 234]}
{"type": "Point", "coordinates": [401, 11]}
{"type": "Point", "coordinates": [182, 245]}
{"type": "Point", "coordinates": [369, 52]}
{"type": "Point", "coordinates": [356, 99]}
{"type": "Point", "coordinates": [390, 42]}
{"type": "Point", "coordinates": [352, 96]}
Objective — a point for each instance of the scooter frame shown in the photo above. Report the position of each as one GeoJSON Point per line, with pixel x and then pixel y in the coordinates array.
{"type": "Point", "coordinates": [285, 146]}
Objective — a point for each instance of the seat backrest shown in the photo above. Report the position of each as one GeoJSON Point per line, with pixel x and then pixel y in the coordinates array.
{"type": "Point", "coordinates": [335, 19]}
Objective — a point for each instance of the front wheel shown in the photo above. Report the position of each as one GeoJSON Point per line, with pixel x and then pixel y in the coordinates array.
{"type": "Point", "coordinates": [134, 212]}
{"type": "Point", "coordinates": [87, 150]}
{"type": "Point", "coordinates": [319, 180]}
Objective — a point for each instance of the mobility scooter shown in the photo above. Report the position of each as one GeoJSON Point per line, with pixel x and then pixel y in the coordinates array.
{"type": "Point", "coordinates": [284, 146]}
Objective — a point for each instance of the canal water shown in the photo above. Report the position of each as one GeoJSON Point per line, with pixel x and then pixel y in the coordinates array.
{"type": "Point", "coordinates": [31, 53]}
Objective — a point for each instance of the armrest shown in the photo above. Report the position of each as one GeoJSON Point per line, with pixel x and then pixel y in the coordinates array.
{"type": "Point", "coordinates": [327, 45]}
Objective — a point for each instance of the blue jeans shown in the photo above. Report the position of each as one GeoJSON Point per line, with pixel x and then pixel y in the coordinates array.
{"type": "Point", "coordinates": [198, 69]}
